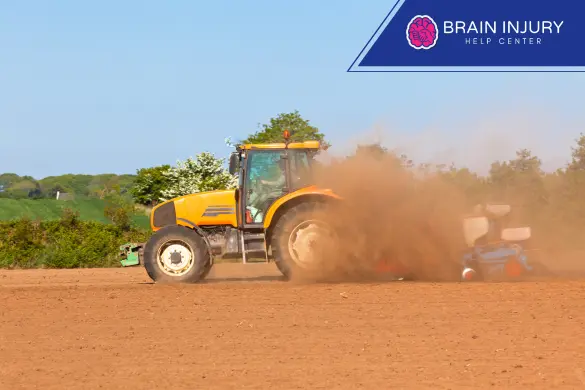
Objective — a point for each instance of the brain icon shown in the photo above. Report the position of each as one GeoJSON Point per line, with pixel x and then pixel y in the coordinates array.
{"type": "Point", "coordinates": [422, 32]}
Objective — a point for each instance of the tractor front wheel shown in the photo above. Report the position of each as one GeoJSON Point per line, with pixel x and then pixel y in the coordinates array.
{"type": "Point", "coordinates": [176, 254]}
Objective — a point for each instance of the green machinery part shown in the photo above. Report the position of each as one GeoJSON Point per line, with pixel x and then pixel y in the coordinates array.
{"type": "Point", "coordinates": [131, 254]}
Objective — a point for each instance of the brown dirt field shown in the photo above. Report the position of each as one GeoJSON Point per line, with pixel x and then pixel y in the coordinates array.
{"type": "Point", "coordinates": [114, 329]}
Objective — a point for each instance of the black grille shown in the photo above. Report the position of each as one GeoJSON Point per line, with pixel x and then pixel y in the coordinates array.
{"type": "Point", "coordinates": [165, 215]}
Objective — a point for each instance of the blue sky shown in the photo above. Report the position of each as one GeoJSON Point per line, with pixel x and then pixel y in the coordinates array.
{"type": "Point", "coordinates": [112, 86]}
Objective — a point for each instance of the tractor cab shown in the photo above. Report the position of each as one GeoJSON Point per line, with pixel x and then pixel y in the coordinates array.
{"type": "Point", "coordinates": [267, 172]}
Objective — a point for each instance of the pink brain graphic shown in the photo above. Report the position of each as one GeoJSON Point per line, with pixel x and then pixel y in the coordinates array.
{"type": "Point", "coordinates": [422, 32]}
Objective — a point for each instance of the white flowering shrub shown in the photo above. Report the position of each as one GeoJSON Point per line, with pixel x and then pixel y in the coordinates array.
{"type": "Point", "coordinates": [205, 172]}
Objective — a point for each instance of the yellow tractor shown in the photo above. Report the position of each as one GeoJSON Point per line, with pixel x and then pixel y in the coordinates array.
{"type": "Point", "coordinates": [270, 215]}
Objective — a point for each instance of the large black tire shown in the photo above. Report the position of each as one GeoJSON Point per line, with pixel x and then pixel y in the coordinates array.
{"type": "Point", "coordinates": [191, 256]}
{"type": "Point", "coordinates": [283, 229]}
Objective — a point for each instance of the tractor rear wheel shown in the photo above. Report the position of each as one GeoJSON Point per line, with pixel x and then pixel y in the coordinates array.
{"type": "Point", "coordinates": [176, 254]}
{"type": "Point", "coordinates": [297, 240]}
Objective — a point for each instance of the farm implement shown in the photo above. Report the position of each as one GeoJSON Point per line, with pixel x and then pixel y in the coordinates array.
{"type": "Point", "coordinates": [494, 252]}
{"type": "Point", "coordinates": [491, 253]}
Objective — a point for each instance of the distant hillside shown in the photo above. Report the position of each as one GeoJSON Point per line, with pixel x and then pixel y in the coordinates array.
{"type": "Point", "coordinates": [18, 187]}
{"type": "Point", "coordinates": [51, 209]}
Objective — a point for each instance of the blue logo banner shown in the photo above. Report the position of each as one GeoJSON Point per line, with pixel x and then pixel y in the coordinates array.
{"type": "Point", "coordinates": [478, 35]}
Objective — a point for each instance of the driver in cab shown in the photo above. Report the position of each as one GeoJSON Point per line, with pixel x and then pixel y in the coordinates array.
{"type": "Point", "coordinates": [270, 187]}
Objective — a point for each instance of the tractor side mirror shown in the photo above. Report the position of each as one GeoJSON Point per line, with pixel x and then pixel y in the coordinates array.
{"type": "Point", "coordinates": [234, 163]}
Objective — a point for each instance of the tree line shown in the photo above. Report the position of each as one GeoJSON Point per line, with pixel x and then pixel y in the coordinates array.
{"type": "Point", "coordinates": [553, 198]}
{"type": "Point", "coordinates": [552, 202]}
{"type": "Point", "coordinates": [14, 186]}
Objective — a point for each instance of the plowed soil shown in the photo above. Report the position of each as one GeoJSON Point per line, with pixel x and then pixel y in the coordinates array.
{"type": "Point", "coordinates": [113, 329]}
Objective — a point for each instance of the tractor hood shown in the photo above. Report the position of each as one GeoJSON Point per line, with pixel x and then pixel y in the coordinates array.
{"type": "Point", "coordinates": [199, 209]}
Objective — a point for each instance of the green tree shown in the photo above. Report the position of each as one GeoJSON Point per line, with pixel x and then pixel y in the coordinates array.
{"type": "Point", "coordinates": [86, 185]}
{"type": "Point", "coordinates": [520, 182]}
{"type": "Point", "coordinates": [578, 155]}
{"type": "Point", "coordinates": [20, 187]}
{"type": "Point", "coordinates": [6, 179]}
{"type": "Point", "coordinates": [149, 185]}
{"type": "Point", "coordinates": [375, 150]}
{"type": "Point", "coordinates": [300, 130]}
{"type": "Point", "coordinates": [570, 184]}
{"type": "Point", "coordinates": [466, 181]}
{"type": "Point", "coordinates": [378, 151]}
{"type": "Point", "coordinates": [525, 162]}
{"type": "Point", "coordinates": [119, 210]}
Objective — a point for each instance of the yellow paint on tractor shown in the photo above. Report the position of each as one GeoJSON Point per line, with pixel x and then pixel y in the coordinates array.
{"type": "Point", "coordinates": [203, 208]}
{"type": "Point", "coordinates": [218, 208]}
{"type": "Point", "coordinates": [292, 145]}
{"type": "Point", "coordinates": [307, 191]}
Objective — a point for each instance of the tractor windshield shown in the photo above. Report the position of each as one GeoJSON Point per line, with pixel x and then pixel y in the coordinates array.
{"type": "Point", "coordinates": [266, 182]}
{"type": "Point", "coordinates": [266, 178]}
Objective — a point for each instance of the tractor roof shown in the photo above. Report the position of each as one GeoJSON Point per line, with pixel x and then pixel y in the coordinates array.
{"type": "Point", "coordinates": [292, 145]}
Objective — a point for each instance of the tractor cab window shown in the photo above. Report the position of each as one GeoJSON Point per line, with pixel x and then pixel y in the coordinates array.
{"type": "Point", "coordinates": [265, 183]}
{"type": "Point", "coordinates": [300, 165]}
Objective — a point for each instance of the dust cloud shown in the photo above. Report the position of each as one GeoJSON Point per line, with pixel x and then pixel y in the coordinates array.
{"type": "Point", "coordinates": [475, 142]}
{"type": "Point", "coordinates": [389, 213]}
{"type": "Point", "coordinates": [413, 220]}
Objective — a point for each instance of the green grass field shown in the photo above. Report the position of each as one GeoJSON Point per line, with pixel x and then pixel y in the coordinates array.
{"type": "Point", "coordinates": [52, 209]}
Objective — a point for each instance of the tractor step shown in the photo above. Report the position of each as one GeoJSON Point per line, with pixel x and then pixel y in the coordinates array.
{"type": "Point", "coordinates": [131, 254]}
{"type": "Point", "coordinates": [254, 236]}
{"type": "Point", "coordinates": [254, 245]}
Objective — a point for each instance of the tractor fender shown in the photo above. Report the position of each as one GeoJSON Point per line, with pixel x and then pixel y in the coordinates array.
{"type": "Point", "coordinates": [303, 195]}
{"type": "Point", "coordinates": [191, 225]}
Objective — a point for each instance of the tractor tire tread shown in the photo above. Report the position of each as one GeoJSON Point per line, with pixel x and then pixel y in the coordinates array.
{"type": "Point", "coordinates": [280, 233]}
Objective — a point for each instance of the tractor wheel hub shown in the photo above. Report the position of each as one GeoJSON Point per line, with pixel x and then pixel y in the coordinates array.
{"type": "Point", "coordinates": [175, 259]}
{"type": "Point", "coordinates": [303, 242]}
